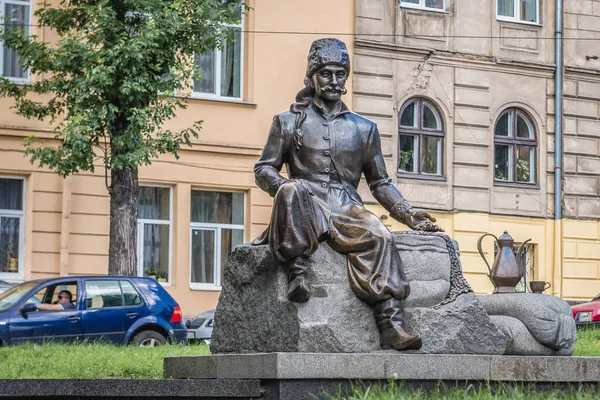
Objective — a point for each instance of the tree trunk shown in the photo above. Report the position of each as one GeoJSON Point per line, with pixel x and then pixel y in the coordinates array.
{"type": "Point", "coordinates": [122, 253]}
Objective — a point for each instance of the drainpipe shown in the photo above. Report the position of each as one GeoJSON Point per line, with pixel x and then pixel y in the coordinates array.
{"type": "Point", "coordinates": [558, 151]}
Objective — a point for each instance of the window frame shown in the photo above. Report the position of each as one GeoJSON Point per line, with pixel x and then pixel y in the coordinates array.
{"type": "Point", "coordinates": [19, 276]}
{"type": "Point", "coordinates": [3, 3]}
{"type": "Point", "coordinates": [217, 228]}
{"type": "Point", "coordinates": [141, 222]}
{"type": "Point", "coordinates": [512, 142]}
{"type": "Point", "coordinates": [517, 14]}
{"type": "Point", "coordinates": [217, 66]}
{"type": "Point", "coordinates": [421, 6]}
{"type": "Point", "coordinates": [419, 133]}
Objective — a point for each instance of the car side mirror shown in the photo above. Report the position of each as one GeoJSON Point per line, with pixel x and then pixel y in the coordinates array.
{"type": "Point", "coordinates": [28, 308]}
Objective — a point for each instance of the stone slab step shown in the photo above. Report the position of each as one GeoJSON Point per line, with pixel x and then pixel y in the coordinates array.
{"type": "Point", "coordinates": [383, 365]}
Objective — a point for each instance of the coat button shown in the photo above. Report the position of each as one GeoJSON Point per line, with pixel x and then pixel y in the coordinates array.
{"type": "Point", "coordinates": [326, 137]}
{"type": "Point", "coordinates": [324, 184]}
{"type": "Point", "coordinates": [327, 152]}
{"type": "Point", "coordinates": [327, 170]}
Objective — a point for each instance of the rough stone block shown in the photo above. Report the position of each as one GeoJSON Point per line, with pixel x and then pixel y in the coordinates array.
{"type": "Point", "coordinates": [466, 328]}
{"type": "Point", "coordinates": [254, 300]}
{"type": "Point", "coordinates": [334, 319]}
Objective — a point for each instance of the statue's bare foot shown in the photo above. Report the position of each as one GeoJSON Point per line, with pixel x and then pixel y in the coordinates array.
{"type": "Point", "coordinates": [394, 337]}
{"type": "Point", "coordinates": [299, 289]}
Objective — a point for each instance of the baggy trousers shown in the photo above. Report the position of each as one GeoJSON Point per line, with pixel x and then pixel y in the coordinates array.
{"type": "Point", "coordinates": [301, 220]}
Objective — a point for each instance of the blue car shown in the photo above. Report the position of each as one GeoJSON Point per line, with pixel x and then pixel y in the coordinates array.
{"type": "Point", "coordinates": [117, 309]}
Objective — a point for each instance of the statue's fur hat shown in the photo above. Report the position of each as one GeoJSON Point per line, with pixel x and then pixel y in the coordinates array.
{"type": "Point", "coordinates": [327, 51]}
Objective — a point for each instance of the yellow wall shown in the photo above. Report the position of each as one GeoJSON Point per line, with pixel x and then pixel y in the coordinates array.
{"type": "Point", "coordinates": [581, 255]}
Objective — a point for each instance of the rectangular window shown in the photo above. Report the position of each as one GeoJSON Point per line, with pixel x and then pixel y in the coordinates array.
{"type": "Point", "coordinates": [14, 14]}
{"type": "Point", "coordinates": [434, 5]}
{"type": "Point", "coordinates": [518, 10]}
{"type": "Point", "coordinates": [154, 232]}
{"type": "Point", "coordinates": [221, 69]}
{"type": "Point", "coordinates": [12, 193]}
{"type": "Point", "coordinates": [217, 228]}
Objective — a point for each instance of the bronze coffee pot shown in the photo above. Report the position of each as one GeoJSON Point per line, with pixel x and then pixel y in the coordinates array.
{"type": "Point", "coordinates": [509, 265]}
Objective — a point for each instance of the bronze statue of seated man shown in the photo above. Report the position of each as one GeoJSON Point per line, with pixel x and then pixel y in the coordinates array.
{"type": "Point", "coordinates": [326, 149]}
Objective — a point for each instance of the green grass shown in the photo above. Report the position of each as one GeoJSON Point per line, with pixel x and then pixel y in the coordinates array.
{"type": "Point", "coordinates": [109, 361]}
{"type": "Point", "coordinates": [89, 360]}
{"type": "Point", "coordinates": [396, 391]}
{"type": "Point", "coordinates": [588, 342]}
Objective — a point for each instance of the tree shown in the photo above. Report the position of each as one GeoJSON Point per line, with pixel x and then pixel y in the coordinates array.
{"type": "Point", "coordinates": [109, 83]}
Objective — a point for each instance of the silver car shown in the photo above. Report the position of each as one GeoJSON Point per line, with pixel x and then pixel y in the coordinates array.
{"type": "Point", "coordinates": [200, 327]}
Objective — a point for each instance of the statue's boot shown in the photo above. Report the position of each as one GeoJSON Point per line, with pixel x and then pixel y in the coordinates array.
{"type": "Point", "coordinates": [388, 315]}
{"type": "Point", "coordinates": [298, 284]}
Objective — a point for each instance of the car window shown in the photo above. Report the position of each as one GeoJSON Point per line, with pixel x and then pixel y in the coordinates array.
{"type": "Point", "coordinates": [210, 323]}
{"type": "Point", "coordinates": [130, 295]}
{"type": "Point", "coordinates": [103, 294]}
{"type": "Point", "coordinates": [50, 293]}
{"type": "Point", "coordinates": [70, 286]}
{"type": "Point", "coordinates": [39, 296]}
{"type": "Point", "coordinates": [13, 295]}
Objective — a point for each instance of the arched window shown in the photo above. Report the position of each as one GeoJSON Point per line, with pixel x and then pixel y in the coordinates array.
{"type": "Point", "coordinates": [515, 147]}
{"type": "Point", "coordinates": [421, 138]}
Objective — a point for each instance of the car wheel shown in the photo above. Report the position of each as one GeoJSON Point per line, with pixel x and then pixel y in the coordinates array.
{"type": "Point", "coordinates": [148, 339]}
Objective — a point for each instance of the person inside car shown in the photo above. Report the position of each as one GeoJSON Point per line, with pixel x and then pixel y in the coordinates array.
{"type": "Point", "coordinates": [64, 303]}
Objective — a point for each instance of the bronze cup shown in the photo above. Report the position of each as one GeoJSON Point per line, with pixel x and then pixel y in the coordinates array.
{"type": "Point", "coordinates": [539, 286]}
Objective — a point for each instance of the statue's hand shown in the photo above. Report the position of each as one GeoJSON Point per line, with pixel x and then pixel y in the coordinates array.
{"type": "Point", "coordinates": [420, 220]}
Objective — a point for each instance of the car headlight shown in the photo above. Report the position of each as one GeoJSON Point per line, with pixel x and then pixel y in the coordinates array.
{"type": "Point", "coordinates": [584, 316]}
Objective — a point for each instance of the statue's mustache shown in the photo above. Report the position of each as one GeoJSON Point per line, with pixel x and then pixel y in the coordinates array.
{"type": "Point", "coordinates": [333, 89]}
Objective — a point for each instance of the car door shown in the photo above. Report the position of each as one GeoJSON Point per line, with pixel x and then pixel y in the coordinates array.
{"type": "Point", "coordinates": [108, 313]}
{"type": "Point", "coordinates": [40, 326]}
{"type": "Point", "coordinates": [135, 308]}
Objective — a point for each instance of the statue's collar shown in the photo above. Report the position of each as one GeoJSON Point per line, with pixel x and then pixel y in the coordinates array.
{"type": "Point", "coordinates": [317, 105]}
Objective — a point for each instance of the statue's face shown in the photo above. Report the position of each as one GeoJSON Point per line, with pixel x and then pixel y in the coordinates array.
{"type": "Point", "coordinates": [329, 82]}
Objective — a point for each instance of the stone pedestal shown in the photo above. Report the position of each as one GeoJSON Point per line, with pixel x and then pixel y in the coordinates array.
{"type": "Point", "coordinates": [254, 315]}
{"type": "Point", "coordinates": [300, 376]}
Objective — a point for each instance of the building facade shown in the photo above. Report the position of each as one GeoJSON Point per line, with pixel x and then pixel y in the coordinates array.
{"type": "Point", "coordinates": [464, 99]}
{"type": "Point", "coordinates": [192, 211]}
